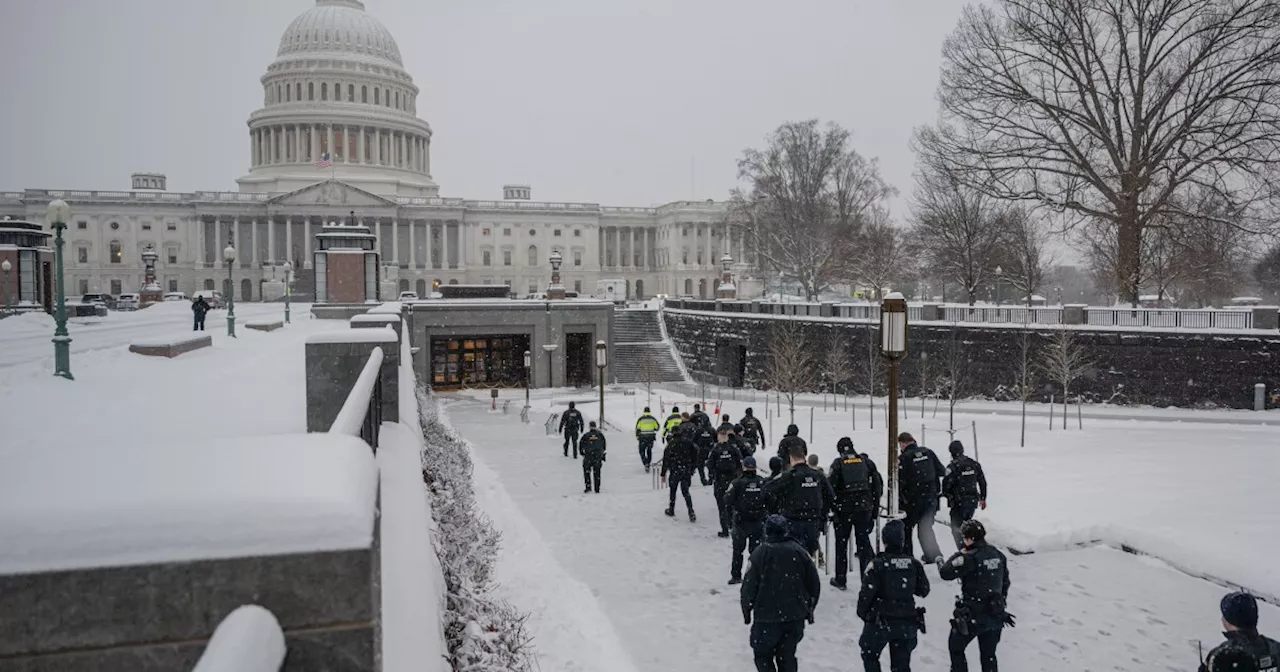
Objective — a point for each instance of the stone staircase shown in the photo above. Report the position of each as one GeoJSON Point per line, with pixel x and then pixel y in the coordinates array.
{"type": "Point", "coordinates": [639, 353]}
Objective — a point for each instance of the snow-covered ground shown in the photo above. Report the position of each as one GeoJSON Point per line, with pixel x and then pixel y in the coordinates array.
{"type": "Point", "coordinates": [1197, 495]}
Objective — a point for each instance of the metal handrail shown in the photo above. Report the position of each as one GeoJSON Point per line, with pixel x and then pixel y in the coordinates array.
{"type": "Point", "coordinates": [361, 413]}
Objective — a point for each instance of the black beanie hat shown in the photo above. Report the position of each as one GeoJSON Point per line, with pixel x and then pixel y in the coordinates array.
{"type": "Point", "coordinates": [894, 534]}
{"type": "Point", "coordinates": [956, 448]}
{"type": "Point", "coordinates": [793, 430]}
{"type": "Point", "coordinates": [844, 445]}
{"type": "Point", "coordinates": [1241, 610]}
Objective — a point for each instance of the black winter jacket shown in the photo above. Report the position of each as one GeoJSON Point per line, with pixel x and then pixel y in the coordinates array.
{"type": "Point", "coordinates": [680, 457]}
{"type": "Point", "coordinates": [781, 584]}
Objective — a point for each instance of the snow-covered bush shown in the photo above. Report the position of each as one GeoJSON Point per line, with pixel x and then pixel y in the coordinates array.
{"type": "Point", "coordinates": [483, 633]}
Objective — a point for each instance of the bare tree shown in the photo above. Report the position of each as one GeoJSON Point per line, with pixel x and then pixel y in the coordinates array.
{"type": "Point", "coordinates": [1029, 257]}
{"type": "Point", "coordinates": [881, 256]}
{"type": "Point", "coordinates": [1213, 254]}
{"type": "Point", "coordinates": [873, 366]}
{"type": "Point", "coordinates": [1266, 272]}
{"type": "Point", "coordinates": [791, 362]}
{"type": "Point", "coordinates": [1027, 357]}
{"type": "Point", "coordinates": [953, 380]}
{"type": "Point", "coordinates": [958, 228]}
{"type": "Point", "coordinates": [837, 365]}
{"type": "Point", "coordinates": [1065, 361]}
{"type": "Point", "coordinates": [808, 191]}
{"type": "Point", "coordinates": [648, 369]}
{"type": "Point", "coordinates": [1107, 109]}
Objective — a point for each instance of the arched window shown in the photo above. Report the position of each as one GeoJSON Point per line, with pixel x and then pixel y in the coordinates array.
{"type": "Point", "coordinates": [688, 287]}
{"type": "Point", "coordinates": [208, 284]}
{"type": "Point", "coordinates": [364, 94]}
{"type": "Point", "coordinates": [324, 91]}
{"type": "Point", "coordinates": [533, 255]}
{"type": "Point", "coordinates": [397, 100]}
{"type": "Point", "coordinates": [351, 93]}
{"type": "Point", "coordinates": [299, 93]}
{"type": "Point", "coordinates": [117, 252]}
{"type": "Point", "coordinates": [386, 99]}
{"type": "Point", "coordinates": [684, 259]}
{"type": "Point", "coordinates": [337, 92]}
{"type": "Point", "coordinates": [288, 93]}
{"type": "Point", "coordinates": [377, 96]}
{"type": "Point", "coordinates": [311, 90]}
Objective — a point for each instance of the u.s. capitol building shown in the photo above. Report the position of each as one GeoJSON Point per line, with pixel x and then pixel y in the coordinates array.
{"type": "Point", "coordinates": [338, 94]}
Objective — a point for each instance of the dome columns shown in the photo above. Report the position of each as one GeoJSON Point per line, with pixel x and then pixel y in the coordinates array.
{"type": "Point", "coordinates": [359, 144]}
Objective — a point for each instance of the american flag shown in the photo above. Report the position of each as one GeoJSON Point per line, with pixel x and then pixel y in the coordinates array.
{"type": "Point", "coordinates": [325, 161]}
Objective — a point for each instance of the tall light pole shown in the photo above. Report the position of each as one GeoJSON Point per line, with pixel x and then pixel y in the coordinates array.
{"type": "Point", "coordinates": [602, 360]}
{"type": "Point", "coordinates": [893, 346]}
{"type": "Point", "coordinates": [528, 362]}
{"type": "Point", "coordinates": [229, 255]}
{"type": "Point", "coordinates": [57, 215]}
{"type": "Point", "coordinates": [6, 267]}
{"type": "Point", "coordinates": [288, 271]}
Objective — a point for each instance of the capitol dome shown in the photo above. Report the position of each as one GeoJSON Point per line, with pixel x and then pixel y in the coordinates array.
{"type": "Point", "coordinates": [337, 99]}
{"type": "Point", "coordinates": [339, 26]}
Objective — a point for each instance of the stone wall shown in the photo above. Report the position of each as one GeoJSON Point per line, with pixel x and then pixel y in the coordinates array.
{"type": "Point", "coordinates": [1151, 366]}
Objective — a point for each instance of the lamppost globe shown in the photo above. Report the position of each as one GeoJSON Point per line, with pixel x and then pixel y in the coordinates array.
{"type": "Point", "coordinates": [6, 266]}
{"type": "Point", "coordinates": [528, 359]}
{"type": "Point", "coordinates": [58, 212]}
{"type": "Point", "coordinates": [229, 254]}
{"type": "Point", "coordinates": [288, 268]}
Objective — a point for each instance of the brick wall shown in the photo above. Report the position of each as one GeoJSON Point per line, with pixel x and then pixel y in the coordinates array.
{"type": "Point", "coordinates": [345, 277]}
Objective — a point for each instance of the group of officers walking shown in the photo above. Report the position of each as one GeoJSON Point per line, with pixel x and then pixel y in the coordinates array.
{"type": "Point", "coordinates": [778, 520]}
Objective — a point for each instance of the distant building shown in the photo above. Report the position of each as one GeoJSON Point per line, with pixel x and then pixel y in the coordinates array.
{"type": "Point", "coordinates": [28, 284]}
{"type": "Point", "coordinates": [339, 131]}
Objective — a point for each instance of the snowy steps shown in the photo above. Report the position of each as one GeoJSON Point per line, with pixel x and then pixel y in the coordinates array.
{"type": "Point", "coordinates": [639, 353]}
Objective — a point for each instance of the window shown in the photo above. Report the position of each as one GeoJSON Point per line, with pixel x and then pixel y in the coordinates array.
{"type": "Point", "coordinates": [115, 226]}
{"type": "Point", "coordinates": [351, 93]}
{"type": "Point", "coordinates": [377, 96]}
{"type": "Point", "coordinates": [364, 94]}
{"type": "Point", "coordinates": [288, 93]}
{"type": "Point", "coordinates": [173, 255]}
{"type": "Point", "coordinates": [484, 232]}
{"type": "Point", "coordinates": [83, 285]}
{"type": "Point", "coordinates": [507, 283]}
{"type": "Point", "coordinates": [171, 226]}
{"type": "Point", "coordinates": [277, 93]}
{"type": "Point", "coordinates": [117, 253]}
{"type": "Point", "coordinates": [533, 287]}
{"type": "Point", "coordinates": [82, 225]}
{"type": "Point", "coordinates": [577, 286]}
{"type": "Point", "coordinates": [299, 91]}
{"type": "Point", "coordinates": [684, 256]}
{"type": "Point", "coordinates": [82, 255]}
{"type": "Point", "coordinates": [324, 91]}
{"type": "Point", "coordinates": [506, 257]}
{"type": "Point", "coordinates": [699, 257]}
{"type": "Point", "coordinates": [577, 233]}
{"type": "Point", "coordinates": [506, 232]}
{"type": "Point", "coordinates": [487, 258]}
{"type": "Point", "coordinates": [577, 257]}
{"type": "Point", "coordinates": [686, 232]}
{"type": "Point", "coordinates": [146, 227]}
{"type": "Point", "coordinates": [557, 233]}
{"type": "Point", "coordinates": [533, 232]}
{"type": "Point", "coordinates": [397, 100]}
{"type": "Point", "coordinates": [116, 287]}
{"type": "Point", "coordinates": [208, 284]}
{"type": "Point", "coordinates": [533, 255]}
{"type": "Point", "coordinates": [311, 90]}
{"type": "Point", "coordinates": [173, 285]}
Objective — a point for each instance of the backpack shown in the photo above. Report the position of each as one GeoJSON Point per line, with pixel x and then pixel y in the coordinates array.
{"type": "Point", "coordinates": [725, 462]}
{"type": "Point", "coordinates": [855, 478]}
{"type": "Point", "coordinates": [752, 501]}
{"type": "Point", "coordinates": [966, 480]}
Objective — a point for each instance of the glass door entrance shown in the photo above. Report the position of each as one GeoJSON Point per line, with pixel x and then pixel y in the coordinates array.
{"type": "Point", "coordinates": [478, 361]}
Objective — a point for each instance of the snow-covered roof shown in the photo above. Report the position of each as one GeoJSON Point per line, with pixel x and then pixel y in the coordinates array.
{"type": "Point", "coordinates": [85, 507]}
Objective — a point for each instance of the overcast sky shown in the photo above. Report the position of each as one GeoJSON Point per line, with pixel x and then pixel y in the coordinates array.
{"type": "Point", "coordinates": [620, 102]}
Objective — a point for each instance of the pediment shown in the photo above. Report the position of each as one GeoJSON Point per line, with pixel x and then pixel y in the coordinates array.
{"type": "Point", "coordinates": [334, 193]}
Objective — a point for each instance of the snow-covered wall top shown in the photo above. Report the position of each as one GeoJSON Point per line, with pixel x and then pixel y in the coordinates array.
{"type": "Point", "coordinates": [1160, 368]}
{"type": "Point", "coordinates": [84, 507]}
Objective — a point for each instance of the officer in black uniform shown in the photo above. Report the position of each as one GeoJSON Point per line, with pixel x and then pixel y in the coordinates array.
{"type": "Point", "coordinates": [887, 603]}
{"type": "Point", "coordinates": [1240, 623]}
{"type": "Point", "coordinates": [697, 417]}
{"type": "Point", "coordinates": [980, 608]}
{"type": "Point", "coordinates": [678, 460]}
{"type": "Point", "coordinates": [735, 437]}
{"type": "Point", "coordinates": [593, 456]}
{"type": "Point", "coordinates": [779, 593]}
{"type": "Point", "coordinates": [858, 486]}
{"type": "Point", "coordinates": [570, 426]}
{"type": "Point", "coordinates": [804, 498]}
{"type": "Point", "coordinates": [749, 504]}
{"type": "Point", "coordinates": [724, 424]}
{"type": "Point", "coordinates": [791, 438]}
{"type": "Point", "coordinates": [705, 439]}
{"type": "Point", "coordinates": [725, 464]}
{"type": "Point", "coordinates": [965, 487]}
{"type": "Point", "coordinates": [920, 476]}
{"type": "Point", "coordinates": [753, 432]}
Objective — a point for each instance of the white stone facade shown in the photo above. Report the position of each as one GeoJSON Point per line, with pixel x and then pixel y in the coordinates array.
{"type": "Point", "coordinates": [338, 87]}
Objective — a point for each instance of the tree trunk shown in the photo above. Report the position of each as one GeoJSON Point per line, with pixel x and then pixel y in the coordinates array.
{"type": "Point", "coordinates": [1129, 259]}
{"type": "Point", "coordinates": [1064, 406]}
{"type": "Point", "coordinates": [1022, 443]}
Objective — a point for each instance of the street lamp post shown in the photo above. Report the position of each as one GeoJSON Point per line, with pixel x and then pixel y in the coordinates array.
{"type": "Point", "coordinates": [550, 348]}
{"type": "Point", "coordinates": [602, 360]}
{"type": "Point", "coordinates": [57, 215]}
{"type": "Point", "coordinates": [6, 267]}
{"type": "Point", "coordinates": [893, 346]}
{"type": "Point", "coordinates": [229, 255]}
{"type": "Point", "coordinates": [528, 361]}
{"type": "Point", "coordinates": [288, 271]}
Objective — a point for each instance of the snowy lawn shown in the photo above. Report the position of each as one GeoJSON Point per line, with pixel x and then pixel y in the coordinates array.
{"type": "Point", "coordinates": [1187, 493]}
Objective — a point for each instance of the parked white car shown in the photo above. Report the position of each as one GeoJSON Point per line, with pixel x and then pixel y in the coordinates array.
{"type": "Point", "coordinates": [408, 296]}
{"type": "Point", "coordinates": [128, 302]}
{"type": "Point", "coordinates": [175, 296]}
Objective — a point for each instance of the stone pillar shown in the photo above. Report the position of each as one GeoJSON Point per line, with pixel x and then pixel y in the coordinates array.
{"type": "Point", "coordinates": [217, 244]}
{"type": "Point", "coordinates": [412, 248]}
{"type": "Point", "coordinates": [1266, 317]}
{"type": "Point", "coordinates": [931, 312]}
{"type": "Point", "coordinates": [253, 233]}
{"type": "Point", "coordinates": [328, 130]}
{"type": "Point", "coordinates": [315, 140]}
{"type": "Point", "coordinates": [377, 146]}
{"type": "Point", "coordinates": [361, 146]}
{"type": "Point", "coordinates": [395, 241]}
{"type": "Point", "coordinates": [306, 242]}
{"type": "Point", "coordinates": [271, 239]}
{"type": "Point", "coordinates": [1074, 313]}
{"type": "Point", "coordinates": [333, 367]}
{"type": "Point", "coordinates": [288, 240]}
{"type": "Point", "coordinates": [431, 225]}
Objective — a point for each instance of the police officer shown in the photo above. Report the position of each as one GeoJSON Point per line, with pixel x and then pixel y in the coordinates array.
{"type": "Point", "coordinates": [1240, 623]}
{"type": "Point", "coordinates": [920, 475]}
{"type": "Point", "coordinates": [780, 592]}
{"type": "Point", "coordinates": [725, 464]}
{"type": "Point", "coordinates": [858, 486]}
{"type": "Point", "coordinates": [593, 447]}
{"type": "Point", "coordinates": [698, 417]}
{"type": "Point", "coordinates": [678, 460]}
{"type": "Point", "coordinates": [804, 497]}
{"type": "Point", "coordinates": [646, 433]}
{"type": "Point", "coordinates": [887, 603]}
{"type": "Point", "coordinates": [965, 487]}
{"type": "Point", "coordinates": [749, 504]}
{"type": "Point", "coordinates": [735, 437]}
{"type": "Point", "coordinates": [670, 423]}
{"type": "Point", "coordinates": [754, 432]}
{"type": "Point", "coordinates": [705, 439]}
{"type": "Point", "coordinates": [724, 423]}
{"type": "Point", "coordinates": [980, 608]}
{"type": "Point", "coordinates": [570, 426]}
{"type": "Point", "coordinates": [791, 438]}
